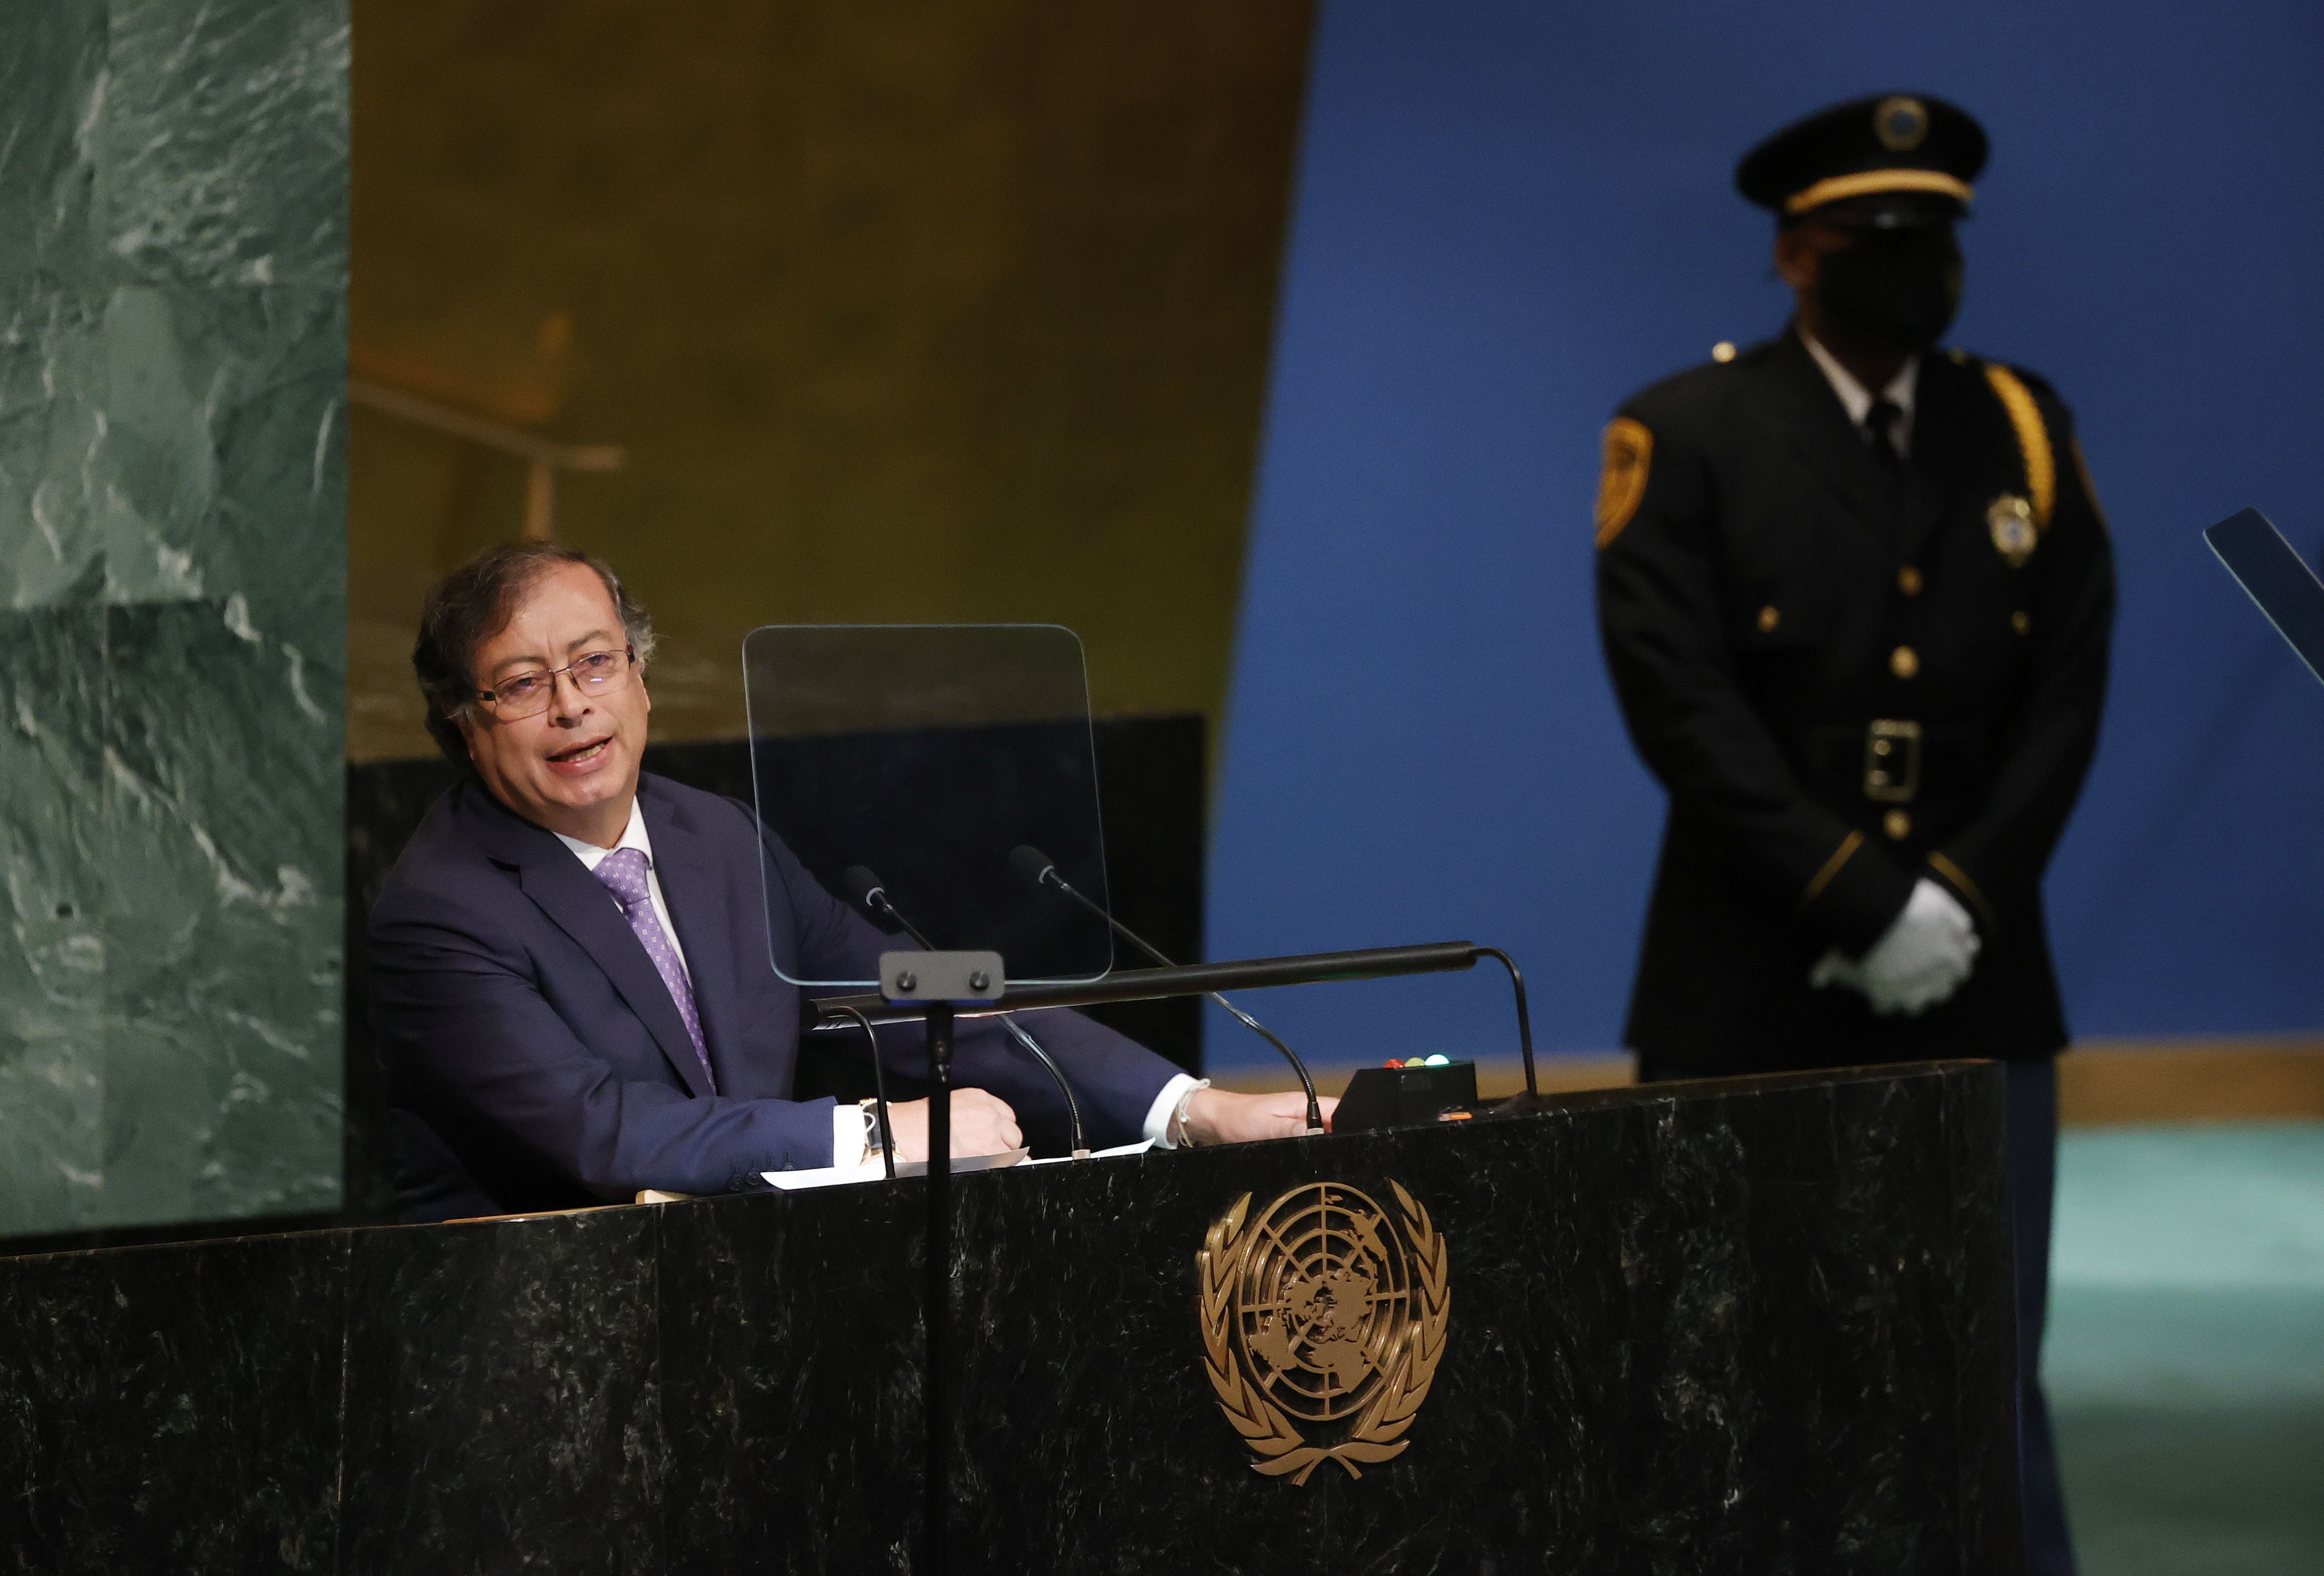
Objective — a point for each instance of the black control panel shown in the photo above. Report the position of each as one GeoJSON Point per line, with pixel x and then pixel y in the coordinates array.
{"type": "Point", "coordinates": [1407, 1094]}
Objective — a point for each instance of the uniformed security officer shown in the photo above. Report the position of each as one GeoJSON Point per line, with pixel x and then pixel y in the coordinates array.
{"type": "Point", "coordinates": [1856, 596]}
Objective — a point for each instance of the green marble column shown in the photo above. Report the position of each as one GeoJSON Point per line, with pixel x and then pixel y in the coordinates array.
{"type": "Point", "coordinates": [173, 267]}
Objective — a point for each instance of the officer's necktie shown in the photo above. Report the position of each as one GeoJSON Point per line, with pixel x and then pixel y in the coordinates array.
{"type": "Point", "coordinates": [1880, 432]}
{"type": "Point", "coordinates": [623, 871]}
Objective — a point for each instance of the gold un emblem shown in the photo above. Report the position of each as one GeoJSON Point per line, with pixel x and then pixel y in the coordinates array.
{"type": "Point", "coordinates": [1322, 1323]}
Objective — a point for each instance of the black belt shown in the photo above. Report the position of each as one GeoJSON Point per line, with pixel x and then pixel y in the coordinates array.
{"type": "Point", "coordinates": [1893, 760]}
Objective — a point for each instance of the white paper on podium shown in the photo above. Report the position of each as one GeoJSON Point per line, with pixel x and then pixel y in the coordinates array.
{"type": "Point", "coordinates": [873, 1171]}
{"type": "Point", "coordinates": [1139, 1147]}
{"type": "Point", "coordinates": [824, 1177]}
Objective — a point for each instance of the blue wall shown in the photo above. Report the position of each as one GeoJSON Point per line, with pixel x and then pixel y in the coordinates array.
{"type": "Point", "coordinates": [1509, 216]}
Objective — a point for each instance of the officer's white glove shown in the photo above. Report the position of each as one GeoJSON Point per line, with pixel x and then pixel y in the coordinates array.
{"type": "Point", "coordinates": [1921, 959]}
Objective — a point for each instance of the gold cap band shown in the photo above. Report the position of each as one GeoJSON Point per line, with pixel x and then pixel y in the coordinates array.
{"type": "Point", "coordinates": [1866, 182]}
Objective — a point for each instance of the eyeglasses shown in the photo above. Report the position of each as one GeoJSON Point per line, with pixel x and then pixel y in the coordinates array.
{"type": "Point", "coordinates": [528, 694]}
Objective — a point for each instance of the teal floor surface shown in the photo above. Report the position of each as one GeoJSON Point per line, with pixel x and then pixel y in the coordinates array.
{"type": "Point", "coordinates": [2185, 1360]}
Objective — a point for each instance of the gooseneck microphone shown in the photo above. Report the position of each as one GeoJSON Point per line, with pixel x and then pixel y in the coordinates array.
{"type": "Point", "coordinates": [1038, 870]}
{"type": "Point", "coordinates": [870, 894]}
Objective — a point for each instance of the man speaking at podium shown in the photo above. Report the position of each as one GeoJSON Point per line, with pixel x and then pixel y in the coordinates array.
{"type": "Point", "coordinates": [1855, 597]}
{"type": "Point", "coordinates": [570, 959]}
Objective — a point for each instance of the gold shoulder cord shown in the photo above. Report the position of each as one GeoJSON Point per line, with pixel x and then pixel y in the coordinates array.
{"type": "Point", "coordinates": [2033, 441]}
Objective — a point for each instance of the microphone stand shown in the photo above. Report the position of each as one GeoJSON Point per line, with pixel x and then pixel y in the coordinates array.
{"type": "Point", "coordinates": [1531, 1099]}
{"type": "Point", "coordinates": [932, 986]}
{"type": "Point", "coordinates": [1050, 877]}
{"type": "Point", "coordinates": [872, 894]}
{"type": "Point", "coordinates": [937, 1319]}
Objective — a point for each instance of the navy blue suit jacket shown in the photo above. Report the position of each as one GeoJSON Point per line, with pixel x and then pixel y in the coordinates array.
{"type": "Point", "coordinates": [535, 1060]}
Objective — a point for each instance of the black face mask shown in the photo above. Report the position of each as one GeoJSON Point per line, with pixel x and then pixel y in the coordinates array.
{"type": "Point", "coordinates": [1897, 290]}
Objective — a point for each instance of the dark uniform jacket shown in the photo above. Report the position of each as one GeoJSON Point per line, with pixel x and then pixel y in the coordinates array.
{"type": "Point", "coordinates": [1851, 673]}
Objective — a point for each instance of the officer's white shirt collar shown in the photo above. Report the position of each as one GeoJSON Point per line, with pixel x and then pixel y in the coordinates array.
{"type": "Point", "coordinates": [1858, 403]}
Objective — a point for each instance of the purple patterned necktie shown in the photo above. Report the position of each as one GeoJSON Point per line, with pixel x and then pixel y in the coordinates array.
{"type": "Point", "coordinates": [623, 871]}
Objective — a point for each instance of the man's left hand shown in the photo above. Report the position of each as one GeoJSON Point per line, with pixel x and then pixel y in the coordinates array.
{"type": "Point", "coordinates": [1220, 1116]}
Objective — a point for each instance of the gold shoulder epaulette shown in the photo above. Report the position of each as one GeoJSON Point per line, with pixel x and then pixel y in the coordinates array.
{"type": "Point", "coordinates": [2033, 441]}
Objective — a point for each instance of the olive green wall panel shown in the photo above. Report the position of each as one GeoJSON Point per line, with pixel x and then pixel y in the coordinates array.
{"type": "Point", "coordinates": [903, 309]}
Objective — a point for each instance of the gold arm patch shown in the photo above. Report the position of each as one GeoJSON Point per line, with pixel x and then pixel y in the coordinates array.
{"type": "Point", "coordinates": [1629, 447]}
{"type": "Point", "coordinates": [2033, 441]}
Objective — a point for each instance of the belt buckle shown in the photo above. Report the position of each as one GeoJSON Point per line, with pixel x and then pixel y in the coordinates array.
{"type": "Point", "coordinates": [1892, 761]}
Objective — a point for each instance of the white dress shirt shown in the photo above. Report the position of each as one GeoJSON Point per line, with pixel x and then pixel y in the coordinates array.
{"type": "Point", "coordinates": [1858, 403]}
{"type": "Point", "coordinates": [848, 1138]}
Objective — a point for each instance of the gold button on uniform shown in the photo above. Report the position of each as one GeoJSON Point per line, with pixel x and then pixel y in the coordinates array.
{"type": "Point", "coordinates": [1908, 581]}
{"type": "Point", "coordinates": [1768, 619]}
{"type": "Point", "coordinates": [1904, 662]}
{"type": "Point", "coordinates": [1898, 824]}
{"type": "Point", "coordinates": [2020, 621]}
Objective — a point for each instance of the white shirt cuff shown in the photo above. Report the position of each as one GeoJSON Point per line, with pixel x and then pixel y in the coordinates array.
{"type": "Point", "coordinates": [847, 1145]}
{"type": "Point", "coordinates": [1159, 1114]}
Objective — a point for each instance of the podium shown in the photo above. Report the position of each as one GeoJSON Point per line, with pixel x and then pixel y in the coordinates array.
{"type": "Point", "coordinates": [1748, 1324]}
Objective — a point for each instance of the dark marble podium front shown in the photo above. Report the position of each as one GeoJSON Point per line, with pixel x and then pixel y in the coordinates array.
{"type": "Point", "coordinates": [1756, 1325]}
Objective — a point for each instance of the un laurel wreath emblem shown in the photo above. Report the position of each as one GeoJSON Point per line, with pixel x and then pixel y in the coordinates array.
{"type": "Point", "coordinates": [1323, 1320]}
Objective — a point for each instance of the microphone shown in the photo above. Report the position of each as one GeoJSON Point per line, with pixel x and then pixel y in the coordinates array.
{"type": "Point", "coordinates": [1035, 869]}
{"type": "Point", "coordinates": [870, 893]}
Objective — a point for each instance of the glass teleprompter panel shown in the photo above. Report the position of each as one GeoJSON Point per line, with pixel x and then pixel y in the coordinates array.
{"type": "Point", "coordinates": [926, 754]}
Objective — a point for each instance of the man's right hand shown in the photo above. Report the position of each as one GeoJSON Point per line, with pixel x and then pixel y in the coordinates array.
{"type": "Point", "coordinates": [981, 1124]}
